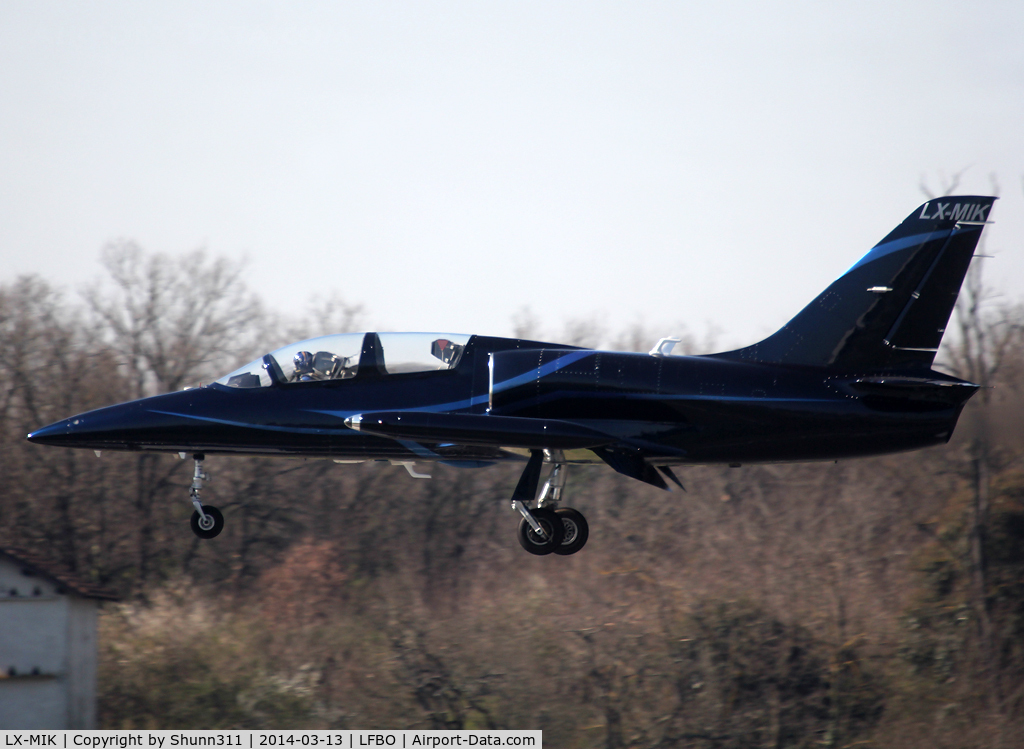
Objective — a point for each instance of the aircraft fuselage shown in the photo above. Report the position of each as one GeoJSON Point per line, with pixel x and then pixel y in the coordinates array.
{"type": "Point", "coordinates": [675, 409]}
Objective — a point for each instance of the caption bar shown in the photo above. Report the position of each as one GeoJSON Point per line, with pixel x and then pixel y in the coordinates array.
{"type": "Point", "coordinates": [261, 739]}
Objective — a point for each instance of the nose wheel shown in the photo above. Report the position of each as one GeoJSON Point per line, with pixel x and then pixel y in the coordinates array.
{"type": "Point", "coordinates": [209, 524]}
{"type": "Point", "coordinates": [207, 520]}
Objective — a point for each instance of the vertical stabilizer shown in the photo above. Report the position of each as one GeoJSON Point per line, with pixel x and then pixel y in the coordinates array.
{"type": "Point", "coordinates": [891, 308]}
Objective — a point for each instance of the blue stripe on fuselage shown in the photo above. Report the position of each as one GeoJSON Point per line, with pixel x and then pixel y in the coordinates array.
{"type": "Point", "coordinates": [887, 248]}
{"type": "Point", "coordinates": [543, 370]}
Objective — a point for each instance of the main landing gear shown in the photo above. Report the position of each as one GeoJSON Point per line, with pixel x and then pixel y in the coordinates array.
{"type": "Point", "coordinates": [207, 521]}
{"type": "Point", "coordinates": [545, 529]}
{"type": "Point", "coordinates": [548, 528]}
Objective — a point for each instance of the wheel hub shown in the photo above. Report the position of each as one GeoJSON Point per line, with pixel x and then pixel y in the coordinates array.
{"type": "Point", "coordinates": [570, 531]}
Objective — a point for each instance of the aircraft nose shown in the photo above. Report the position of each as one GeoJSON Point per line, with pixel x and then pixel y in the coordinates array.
{"type": "Point", "coordinates": [161, 422]}
{"type": "Point", "coordinates": [114, 427]}
{"type": "Point", "coordinates": [105, 427]}
{"type": "Point", "coordinates": [52, 434]}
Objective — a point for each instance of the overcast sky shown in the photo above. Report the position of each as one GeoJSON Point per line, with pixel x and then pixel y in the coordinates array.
{"type": "Point", "coordinates": [447, 163]}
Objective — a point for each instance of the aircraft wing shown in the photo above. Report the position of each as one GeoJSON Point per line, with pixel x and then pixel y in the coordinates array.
{"type": "Point", "coordinates": [479, 429]}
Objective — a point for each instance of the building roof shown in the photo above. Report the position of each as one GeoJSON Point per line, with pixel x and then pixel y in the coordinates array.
{"type": "Point", "coordinates": [66, 582]}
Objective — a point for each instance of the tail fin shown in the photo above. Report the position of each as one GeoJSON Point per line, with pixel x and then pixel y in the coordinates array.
{"type": "Point", "coordinates": [891, 308]}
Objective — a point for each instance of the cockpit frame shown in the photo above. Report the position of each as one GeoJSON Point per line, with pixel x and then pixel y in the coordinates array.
{"type": "Point", "coordinates": [350, 356]}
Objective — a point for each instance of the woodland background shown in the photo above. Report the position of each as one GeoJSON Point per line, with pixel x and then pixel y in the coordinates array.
{"type": "Point", "coordinates": [875, 602]}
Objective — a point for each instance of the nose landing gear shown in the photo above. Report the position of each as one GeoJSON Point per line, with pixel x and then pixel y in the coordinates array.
{"type": "Point", "coordinates": [207, 520]}
{"type": "Point", "coordinates": [547, 528]}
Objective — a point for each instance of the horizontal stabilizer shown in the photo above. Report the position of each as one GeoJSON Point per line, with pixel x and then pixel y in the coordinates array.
{"type": "Point", "coordinates": [948, 392]}
{"type": "Point", "coordinates": [479, 429]}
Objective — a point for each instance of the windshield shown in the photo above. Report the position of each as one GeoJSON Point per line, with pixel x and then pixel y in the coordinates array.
{"type": "Point", "coordinates": [338, 357]}
{"type": "Point", "coordinates": [333, 357]}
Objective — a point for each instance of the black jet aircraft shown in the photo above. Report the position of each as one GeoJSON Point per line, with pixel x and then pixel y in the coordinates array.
{"type": "Point", "coordinates": [851, 375]}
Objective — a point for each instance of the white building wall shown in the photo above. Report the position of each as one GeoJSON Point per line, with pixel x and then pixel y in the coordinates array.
{"type": "Point", "coordinates": [34, 639]}
{"type": "Point", "coordinates": [13, 581]}
{"type": "Point", "coordinates": [32, 704]}
{"type": "Point", "coordinates": [81, 663]}
{"type": "Point", "coordinates": [47, 654]}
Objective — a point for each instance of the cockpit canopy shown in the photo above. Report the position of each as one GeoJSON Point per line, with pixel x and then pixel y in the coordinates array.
{"type": "Point", "coordinates": [342, 357]}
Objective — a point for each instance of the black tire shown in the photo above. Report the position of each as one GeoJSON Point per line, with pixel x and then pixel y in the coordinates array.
{"type": "Point", "coordinates": [213, 514]}
{"type": "Point", "coordinates": [552, 526]}
{"type": "Point", "coordinates": [576, 531]}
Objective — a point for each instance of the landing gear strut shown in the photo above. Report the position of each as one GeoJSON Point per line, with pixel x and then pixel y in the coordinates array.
{"type": "Point", "coordinates": [207, 520]}
{"type": "Point", "coordinates": [547, 529]}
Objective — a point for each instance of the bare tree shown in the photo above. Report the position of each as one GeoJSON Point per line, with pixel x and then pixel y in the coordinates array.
{"type": "Point", "coordinates": [173, 319]}
{"type": "Point", "coordinates": [525, 323]}
{"type": "Point", "coordinates": [946, 184]}
{"type": "Point", "coordinates": [167, 322]}
{"type": "Point", "coordinates": [985, 334]}
{"type": "Point", "coordinates": [323, 316]}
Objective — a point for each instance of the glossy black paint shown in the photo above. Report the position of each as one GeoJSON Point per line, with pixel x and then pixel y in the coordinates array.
{"type": "Point", "coordinates": [849, 376]}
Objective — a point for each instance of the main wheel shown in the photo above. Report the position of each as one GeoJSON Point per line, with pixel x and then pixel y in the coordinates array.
{"type": "Point", "coordinates": [209, 526]}
{"type": "Point", "coordinates": [553, 529]}
{"type": "Point", "coordinates": [576, 531]}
